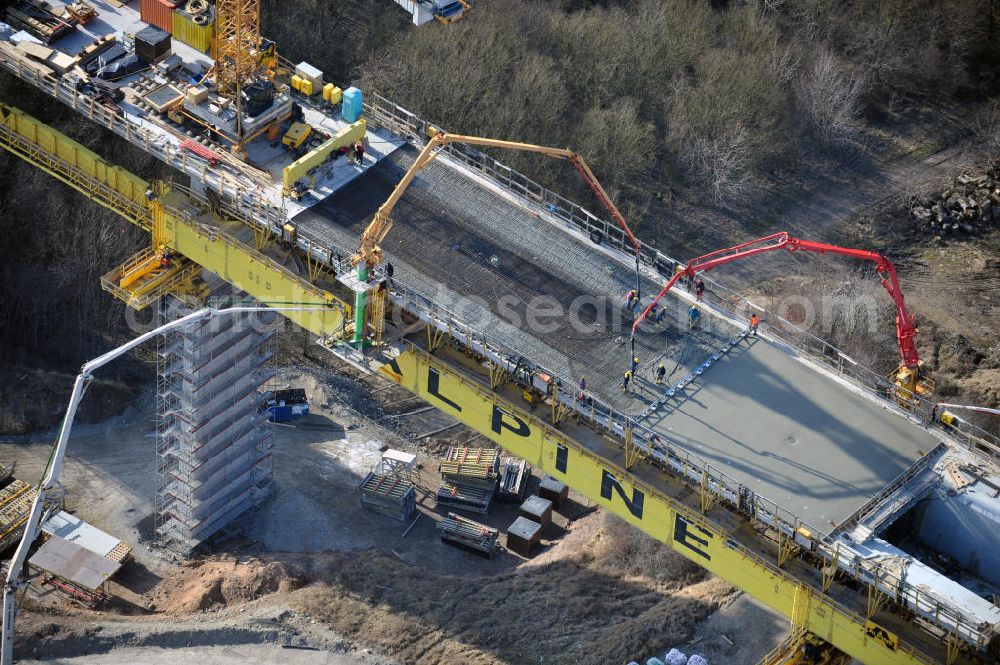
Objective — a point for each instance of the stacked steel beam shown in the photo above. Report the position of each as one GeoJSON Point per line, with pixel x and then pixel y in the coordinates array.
{"type": "Point", "coordinates": [469, 478]}
{"type": "Point", "coordinates": [213, 450]}
{"type": "Point", "coordinates": [514, 476]}
{"type": "Point", "coordinates": [461, 531]}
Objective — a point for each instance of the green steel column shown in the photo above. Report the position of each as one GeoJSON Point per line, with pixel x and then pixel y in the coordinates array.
{"type": "Point", "coordinates": [360, 303]}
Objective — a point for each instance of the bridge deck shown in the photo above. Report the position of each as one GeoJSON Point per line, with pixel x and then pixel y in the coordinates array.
{"type": "Point", "coordinates": [759, 414]}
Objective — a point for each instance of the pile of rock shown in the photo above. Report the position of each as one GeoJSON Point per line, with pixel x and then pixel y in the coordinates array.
{"type": "Point", "coordinates": [973, 201]}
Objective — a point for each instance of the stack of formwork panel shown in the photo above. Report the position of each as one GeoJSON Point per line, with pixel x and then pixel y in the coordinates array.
{"type": "Point", "coordinates": [15, 507]}
{"type": "Point", "coordinates": [514, 476]}
{"type": "Point", "coordinates": [463, 532]}
{"type": "Point", "coordinates": [469, 478]}
{"type": "Point", "coordinates": [389, 494]}
{"type": "Point", "coordinates": [213, 448]}
{"type": "Point", "coordinates": [70, 527]}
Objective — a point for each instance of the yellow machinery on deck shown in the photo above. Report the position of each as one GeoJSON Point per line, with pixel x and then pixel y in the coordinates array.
{"type": "Point", "coordinates": [823, 602]}
{"type": "Point", "coordinates": [296, 135]}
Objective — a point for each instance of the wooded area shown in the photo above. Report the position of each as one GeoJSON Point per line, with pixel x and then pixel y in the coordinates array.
{"type": "Point", "coordinates": [702, 118]}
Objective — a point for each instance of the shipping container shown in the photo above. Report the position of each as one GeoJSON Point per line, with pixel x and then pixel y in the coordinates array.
{"type": "Point", "coordinates": [158, 13]}
{"type": "Point", "coordinates": [195, 30]}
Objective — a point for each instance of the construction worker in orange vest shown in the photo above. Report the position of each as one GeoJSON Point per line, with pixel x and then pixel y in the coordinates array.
{"type": "Point", "coordinates": [754, 322]}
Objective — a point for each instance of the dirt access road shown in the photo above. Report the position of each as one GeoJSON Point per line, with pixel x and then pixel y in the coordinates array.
{"type": "Point", "coordinates": [818, 199]}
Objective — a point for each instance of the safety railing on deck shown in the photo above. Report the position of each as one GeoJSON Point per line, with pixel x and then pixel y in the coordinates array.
{"type": "Point", "coordinates": [232, 180]}
{"type": "Point", "coordinates": [694, 469]}
{"type": "Point", "coordinates": [382, 112]}
{"type": "Point", "coordinates": [257, 213]}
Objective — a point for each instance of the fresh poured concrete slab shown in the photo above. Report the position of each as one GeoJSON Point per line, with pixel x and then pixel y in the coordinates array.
{"type": "Point", "coordinates": [792, 434]}
{"type": "Point", "coordinates": [762, 416]}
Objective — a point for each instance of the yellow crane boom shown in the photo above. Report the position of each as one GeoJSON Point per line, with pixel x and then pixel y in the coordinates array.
{"type": "Point", "coordinates": [370, 252]}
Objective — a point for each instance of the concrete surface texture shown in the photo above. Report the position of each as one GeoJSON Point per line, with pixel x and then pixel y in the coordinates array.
{"type": "Point", "coordinates": [796, 437]}
{"type": "Point", "coordinates": [549, 295]}
{"type": "Point", "coordinates": [223, 607]}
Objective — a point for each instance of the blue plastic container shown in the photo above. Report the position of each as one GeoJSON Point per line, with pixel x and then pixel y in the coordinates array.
{"type": "Point", "coordinates": [351, 108]}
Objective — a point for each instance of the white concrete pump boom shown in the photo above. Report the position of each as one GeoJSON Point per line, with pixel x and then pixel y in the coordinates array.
{"type": "Point", "coordinates": [50, 477]}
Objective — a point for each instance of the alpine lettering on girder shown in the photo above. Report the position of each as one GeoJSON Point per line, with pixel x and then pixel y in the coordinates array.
{"type": "Point", "coordinates": [505, 420]}
{"type": "Point", "coordinates": [609, 483]}
{"type": "Point", "coordinates": [881, 635]}
{"type": "Point", "coordinates": [396, 373]}
{"type": "Point", "coordinates": [434, 388]}
{"type": "Point", "coordinates": [562, 458]}
{"type": "Point", "coordinates": [684, 533]}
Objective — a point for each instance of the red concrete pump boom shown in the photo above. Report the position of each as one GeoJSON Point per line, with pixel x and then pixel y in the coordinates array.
{"type": "Point", "coordinates": [905, 330]}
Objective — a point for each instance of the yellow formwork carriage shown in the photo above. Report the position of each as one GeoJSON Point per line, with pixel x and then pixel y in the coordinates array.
{"type": "Point", "coordinates": [644, 507]}
{"type": "Point", "coordinates": [125, 193]}
{"type": "Point", "coordinates": [249, 270]}
{"type": "Point", "coordinates": [72, 163]}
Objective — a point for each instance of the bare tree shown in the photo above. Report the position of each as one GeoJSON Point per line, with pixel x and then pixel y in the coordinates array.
{"type": "Point", "coordinates": [831, 97]}
{"type": "Point", "coordinates": [723, 163]}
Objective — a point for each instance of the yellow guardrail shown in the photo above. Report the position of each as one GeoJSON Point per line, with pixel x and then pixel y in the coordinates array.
{"type": "Point", "coordinates": [208, 246]}
{"type": "Point", "coordinates": [646, 507]}
{"type": "Point", "coordinates": [65, 159]}
{"type": "Point", "coordinates": [247, 269]}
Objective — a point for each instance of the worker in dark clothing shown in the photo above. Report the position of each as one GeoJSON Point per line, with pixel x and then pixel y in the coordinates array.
{"type": "Point", "coordinates": [635, 364]}
{"type": "Point", "coordinates": [699, 289]}
{"type": "Point", "coordinates": [359, 151]}
{"type": "Point", "coordinates": [661, 373]}
{"type": "Point", "coordinates": [694, 314]}
{"type": "Point", "coordinates": [651, 314]}
{"type": "Point", "coordinates": [583, 388]}
{"type": "Point", "coordinates": [631, 300]}
{"type": "Point", "coordinates": [625, 380]}
{"type": "Point", "coordinates": [754, 322]}
{"type": "Point", "coordinates": [662, 314]}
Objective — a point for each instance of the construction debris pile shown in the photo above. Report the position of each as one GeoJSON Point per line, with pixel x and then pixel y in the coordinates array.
{"type": "Point", "coordinates": [972, 202]}
{"type": "Point", "coordinates": [469, 479]}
